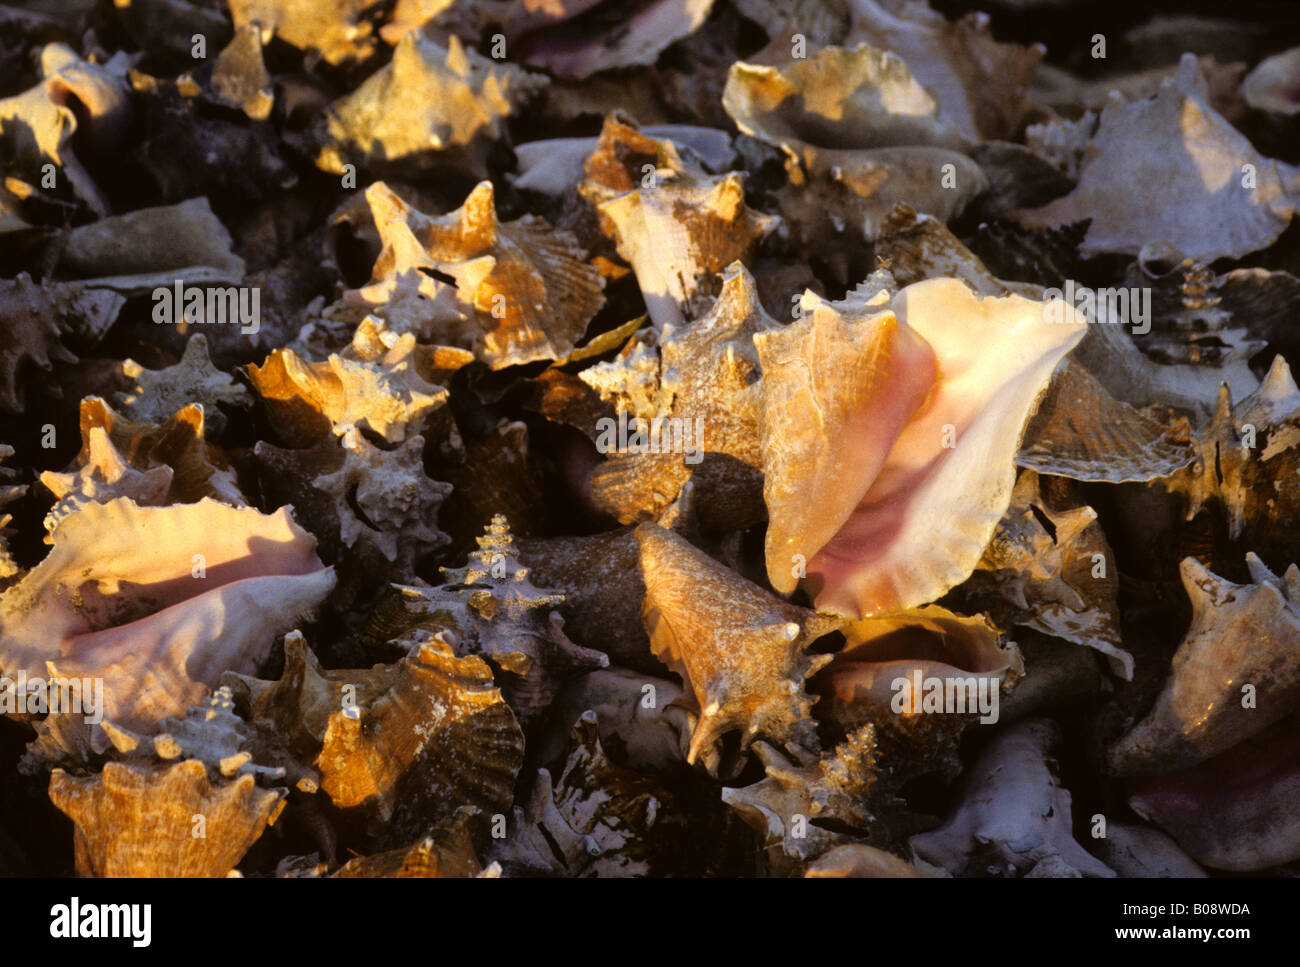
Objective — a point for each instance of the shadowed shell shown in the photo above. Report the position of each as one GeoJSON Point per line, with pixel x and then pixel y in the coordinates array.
{"type": "Point", "coordinates": [9, 492]}
{"type": "Point", "coordinates": [1013, 817]}
{"type": "Point", "coordinates": [1236, 672]}
{"type": "Point", "coordinates": [447, 851]}
{"type": "Point", "coordinates": [739, 650]}
{"type": "Point", "coordinates": [593, 821]}
{"type": "Point", "coordinates": [491, 609]}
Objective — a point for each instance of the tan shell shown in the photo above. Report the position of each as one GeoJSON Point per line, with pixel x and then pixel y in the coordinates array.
{"type": "Point", "coordinates": [492, 610]}
{"type": "Point", "coordinates": [336, 30]}
{"type": "Point", "coordinates": [592, 821]}
{"type": "Point", "coordinates": [930, 410]}
{"type": "Point", "coordinates": [407, 742]}
{"type": "Point", "coordinates": [784, 806]}
{"type": "Point", "coordinates": [739, 650]}
{"type": "Point", "coordinates": [1081, 431]}
{"type": "Point", "coordinates": [702, 376]}
{"type": "Point", "coordinates": [1013, 816]}
{"type": "Point", "coordinates": [1062, 581]}
{"type": "Point", "coordinates": [216, 588]}
{"type": "Point", "coordinates": [676, 225]}
{"type": "Point", "coordinates": [518, 291]}
{"type": "Point", "coordinates": [1236, 672]}
{"type": "Point", "coordinates": [428, 108]}
{"type": "Point", "coordinates": [979, 83]}
{"type": "Point", "coordinates": [151, 247]}
{"type": "Point", "coordinates": [239, 78]}
{"type": "Point", "coordinates": [839, 99]}
{"type": "Point", "coordinates": [199, 469]}
{"type": "Point", "coordinates": [138, 820]}
{"type": "Point", "coordinates": [386, 395]}
{"type": "Point", "coordinates": [158, 394]}
{"type": "Point", "coordinates": [1134, 195]}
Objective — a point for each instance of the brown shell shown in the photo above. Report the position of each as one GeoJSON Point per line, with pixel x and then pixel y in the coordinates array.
{"type": "Point", "coordinates": [447, 851]}
{"type": "Point", "coordinates": [739, 649]}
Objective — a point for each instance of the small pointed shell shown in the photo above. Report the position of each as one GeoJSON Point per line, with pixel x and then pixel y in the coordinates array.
{"type": "Point", "coordinates": [738, 649]}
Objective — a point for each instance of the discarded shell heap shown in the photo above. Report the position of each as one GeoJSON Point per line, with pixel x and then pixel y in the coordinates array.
{"type": "Point", "coordinates": [606, 439]}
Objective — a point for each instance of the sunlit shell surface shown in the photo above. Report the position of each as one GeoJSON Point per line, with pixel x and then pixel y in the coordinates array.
{"type": "Point", "coordinates": [929, 390]}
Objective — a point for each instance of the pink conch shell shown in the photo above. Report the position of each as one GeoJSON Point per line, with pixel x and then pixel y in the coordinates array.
{"type": "Point", "coordinates": [639, 40]}
{"type": "Point", "coordinates": [890, 430]}
{"type": "Point", "coordinates": [217, 585]}
{"type": "Point", "coordinates": [1172, 168]}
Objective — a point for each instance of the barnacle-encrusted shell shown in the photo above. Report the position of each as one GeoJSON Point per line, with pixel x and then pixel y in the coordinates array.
{"type": "Point", "coordinates": [517, 292]}
{"type": "Point", "coordinates": [929, 390]}
{"type": "Point", "coordinates": [1167, 168]}
{"type": "Point", "coordinates": [428, 108]}
{"type": "Point", "coordinates": [218, 584]}
{"type": "Point", "coordinates": [677, 226]}
{"type": "Point", "coordinates": [493, 611]}
{"type": "Point", "coordinates": [591, 822]}
{"type": "Point", "coordinates": [739, 650]}
{"type": "Point", "coordinates": [398, 504]}
{"type": "Point", "coordinates": [785, 806]}
{"type": "Point", "coordinates": [1013, 817]}
{"type": "Point", "coordinates": [158, 394]}
{"type": "Point", "coordinates": [140, 820]}
{"type": "Point", "coordinates": [1236, 672]}
{"type": "Point", "coordinates": [447, 851]}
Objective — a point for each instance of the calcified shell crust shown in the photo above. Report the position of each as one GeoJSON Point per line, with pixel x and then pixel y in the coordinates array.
{"type": "Point", "coordinates": [557, 438]}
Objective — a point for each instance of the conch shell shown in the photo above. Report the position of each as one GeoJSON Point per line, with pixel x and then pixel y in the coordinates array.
{"type": "Point", "coordinates": [740, 651]}
{"type": "Point", "coordinates": [216, 588]}
{"type": "Point", "coordinates": [931, 410]}
{"type": "Point", "coordinates": [1133, 194]}
{"type": "Point", "coordinates": [1014, 815]}
{"type": "Point", "coordinates": [1236, 672]}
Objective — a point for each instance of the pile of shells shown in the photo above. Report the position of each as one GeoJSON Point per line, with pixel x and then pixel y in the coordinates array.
{"type": "Point", "coordinates": [493, 438]}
